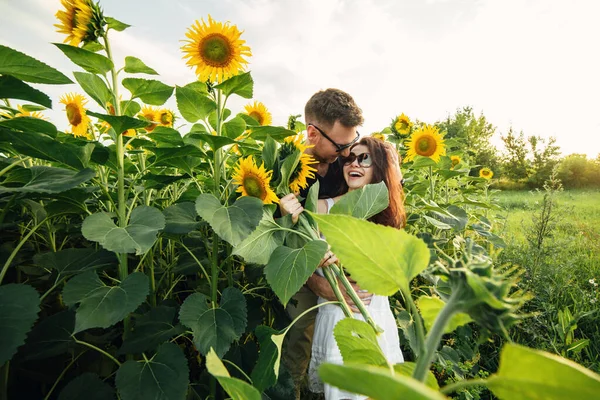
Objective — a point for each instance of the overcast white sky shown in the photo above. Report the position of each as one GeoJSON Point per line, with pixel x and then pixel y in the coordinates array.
{"type": "Point", "coordinates": [530, 64]}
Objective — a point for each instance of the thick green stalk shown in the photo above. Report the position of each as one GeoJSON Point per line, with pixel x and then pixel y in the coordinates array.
{"type": "Point", "coordinates": [434, 336]}
{"type": "Point", "coordinates": [417, 320]}
{"type": "Point", "coordinates": [330, 276]}
{"type": "Point", "coordinates": [431, 183]}
{"type": "Point", "coordinates": [16, 250]}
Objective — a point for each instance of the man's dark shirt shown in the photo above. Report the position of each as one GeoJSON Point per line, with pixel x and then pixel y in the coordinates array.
{"type": "Point", "coordinates": [330, 185]}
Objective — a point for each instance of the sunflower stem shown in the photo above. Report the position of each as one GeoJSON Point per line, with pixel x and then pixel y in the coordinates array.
{"type": "Point", "coordinates": [330, 276]}
{"type": "Point", "coordinates": [431, 183]}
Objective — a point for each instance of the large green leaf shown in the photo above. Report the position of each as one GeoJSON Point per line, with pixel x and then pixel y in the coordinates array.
{"type": "Point", "coordinates": [95, 87]}
{"type": "Point", "coordinates": [212, 327]}
{"type": "Point", "coordinates": [193, 103]}
{"type": "Point", "coordinates": [430, 307]}
{"type": "Point", "coordinates": [150, 330]}
{"type": "Point", "coordinates": [13, 88]}
{"type": "Point", "coordinates": [149, 91]}
{"type": "Point", "coordinates": [166, 137]}
{"type": "Point", "coordinates": [232, 223]}
{"type": "Point", "coordinates": [134, 65]}
{"type": "Point", "coordinates": [185, 158]}
{"type": "Point", "coordinates": [257, 247]}
{"type": "Point", "coordinates": [100, 305]}
{"type": "Point", "coordinates": [165, 376]}
{"type": "Point", "coordinates": [242, 85]}
{"type": "Point", "coordinates": [288, 269]}
{"type": "Point", "coordinates": [276, 132]}
{"type": "Point", "coordinates": [214, 142]}
{"type": "Point", "coordinates": [382, 259]}
{"type": "Point", "coordinates": [453, 216]}
{"type": "Point", "coordinates": [28, 69]}
{"type": "Point", "coordinates": [363, 203]}
{"type": "Point", "coordinates": [120, 123]}
{"type": "Point", "coordinates": [87, 386]}
{"type": "Point", "coordinates": [74, 261]}
{"type": "Point", "coordinates": [264, 374]}
{"type": "Point", "coordinates": [38, 145]}
{"type": "Point", "coordinates": [40, 179]}
{"type": "Point", "coordinates": [50, 337]}
{"type": "Point", "coordinates": [30, 124]}
{"type": "Point", "coordinates": [376, 382]}
{"type": "Point", "coordinates": [181, 218]}
{"type": "Point", "coordinates": [234, 127]}
{"type": "Point", "coordinates": [526, 374]}
{"type": "Point", "coordinates": [90, 61]}
{"type": "Point", "coordinates": [269, 153]}
{"type": "Point", "coordinates": [235, 388]}
{"type": "Point", "coordinates": [137, 237]}
{"type": "Point", "coordinates": [116, 24]}
{"type": "Point", "coordinates": [286, 170]}
{"type": "Point", "coordinates": [19, 306]}
{"type": "Point", "coordinates": [407, 368]}
{"type": "Point", "coordinates": [358, 343]}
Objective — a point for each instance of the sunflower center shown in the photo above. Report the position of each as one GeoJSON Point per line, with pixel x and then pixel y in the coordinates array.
{"type": "Point", "coordinates": [73, 114]}
{"type": "Point", "coordinates": [254, 187]}
{"type": "Point", "coordinates": [216, 50]}
{"type": "Point", "coordinates": [257, 116]}
{"type": "Point", "coordinates": [426, 146]}
{"type": "Point", "coordinates": [165, 118]}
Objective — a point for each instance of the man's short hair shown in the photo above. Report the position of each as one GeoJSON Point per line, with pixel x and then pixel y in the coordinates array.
{"type": "Point", "coordinates": [327, 106]}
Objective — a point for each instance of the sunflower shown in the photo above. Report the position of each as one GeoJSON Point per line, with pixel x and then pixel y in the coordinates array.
{"type": "Point", "coordinates": [298, 178]}
{"type": "Point", "coordinates": [81, 21]}
{"type": "Point", "coordinates": [23, 113]}
{"type": "Point", "coordinates": [254, 181]}
{"type": "Point", "coordinates": [165, 117]}
{"type": "Point", "coordinates": [378, 135]}
{"type": "Point", "coordinates": [402, 124]}
{"type": "Point", "coordinates": [76, 113]}
{"type": "Point", "coordinates": [455, 161]}
{"type": "Point", "coordinates": [130, 133]}
{"type": "Point", "coordinates": [486, 173]}
{"type": "Point", "coordinates": [259, 112]}
{"type": "Point", "coordinates": [150, 115]}
{"type": "Point", "coordinates": [215, 50]}
{"type": "Point", "coordinates": [426, 142]}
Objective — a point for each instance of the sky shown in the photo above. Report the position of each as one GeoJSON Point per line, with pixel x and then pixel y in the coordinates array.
{"type": "Point", "coordinates": [533, 65]}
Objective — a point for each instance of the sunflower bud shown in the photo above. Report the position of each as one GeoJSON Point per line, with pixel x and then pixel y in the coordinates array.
{"type": "Point", "coordinates": [81, 20]}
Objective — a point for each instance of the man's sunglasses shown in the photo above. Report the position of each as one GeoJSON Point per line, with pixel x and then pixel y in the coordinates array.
{"type": "Point", "coordinates": [339, 147]}
{"type": "Point", "coordinates": [364, 159]}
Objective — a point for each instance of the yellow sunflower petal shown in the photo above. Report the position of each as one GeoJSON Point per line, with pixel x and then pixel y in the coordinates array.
{"type": "Point", "coordinates": [151, 115]}
{"type": "Point", "coordinates": [402, 124]}
{"type": "Point", "coordinates": [303, 171]}
{"type": "Point", "coordinates": [80, 20]}
{"type": "Point", "coordinates": [76, 114]}
{"type": "Point", "coordinates": [486, 173]}
{"type": "Point", "coordinates": [215, 50]}
{"type": "Point", "coordinates": [259, 112]}
{"type": "Point", "coordinates": [254, 181]}
{"type": "Point", "coordinates": [426, 142]}
{"type": "Point", "coordinates": [455, 161]}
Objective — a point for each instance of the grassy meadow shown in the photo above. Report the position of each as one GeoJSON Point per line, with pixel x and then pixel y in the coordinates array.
{"type": "Point", "coordinates": [561, 271]}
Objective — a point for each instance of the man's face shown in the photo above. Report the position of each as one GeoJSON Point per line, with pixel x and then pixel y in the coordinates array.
{"type": "Point", "coordinates": [325, 151]}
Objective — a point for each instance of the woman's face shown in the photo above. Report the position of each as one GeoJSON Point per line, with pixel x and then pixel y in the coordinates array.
{"type": "Point", "coordinates": [359, 172]}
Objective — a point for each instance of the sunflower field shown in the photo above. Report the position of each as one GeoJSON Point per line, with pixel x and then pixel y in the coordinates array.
{"type": "Point", "coordinates": [142, 257]}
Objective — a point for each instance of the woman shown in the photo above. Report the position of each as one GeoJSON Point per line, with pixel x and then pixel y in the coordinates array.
{"type": "Point", "coordinates": [370, 161]}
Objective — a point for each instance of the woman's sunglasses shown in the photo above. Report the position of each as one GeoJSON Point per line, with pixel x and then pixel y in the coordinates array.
{"type": "Point", "coordinates": [364, 159]}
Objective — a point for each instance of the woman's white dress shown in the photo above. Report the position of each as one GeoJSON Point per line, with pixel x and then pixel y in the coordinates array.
{"type": "Point", "coordinates": [325, 349]}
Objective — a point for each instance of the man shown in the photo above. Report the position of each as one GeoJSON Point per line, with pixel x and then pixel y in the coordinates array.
{"type": "Point", "coordinates": [332, 118]}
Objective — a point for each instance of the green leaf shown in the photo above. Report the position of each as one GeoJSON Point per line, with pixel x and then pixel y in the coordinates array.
{"type": "Point", "coordinates": [13, 88]}
{"type": "Point", "coordinates": [234, 127]}
{"type": "Point", "coordinates": [91, 62]}
{"type": "Point", "coordinates": [289, 269]}
{"type": "Point", "coordinates": [526, 373]}
{"type": "Point", "coordinates": [165, 376]}
{"type": "Point", "coordinates": [264, 374]}
{"type": "Point", "coordinates": [376, 383]}
{"type": "Point", "coordinates": [74, 261]}
{"type": "Point", "coordinates": [138, 236]}
{"type": "Point", "coordinates": [46, 179]}
{"type": "Point", "coordinates": [150, 330]}
{"type": "Point", "coordinates": [28, 69]}
{"type": "Point", "coordinates": [19, 306]}
{"type": "Point", "coordinates": [101, 306]}
{"type": "Point", "coordinates": [93, 47]}
{"type": "Point", "coordinates": [232, 223]}
{"type": "Point", "coordinates": [130, 108]}
{"type": "Point", "coordinates": [30, 124]}
{"type": "Point", "coordinates": [95, 87]}
{"type": "Point", "coordinates": [430, 307]}
{"type": "Point", "coordinates": [214, 142]}
{"type": "Point", "coordinates": [422, 162]}
{"type": "Point", "coordinates": [358, 343]}
{"type": "Point", "coordinates": [234, 302]}
{"type": "Point", "coordinates": [235, 388]}
{"type": "Point", "coordinates": [193, 103]}
{"type": "Point", "coordinates": [407, 369]}
{"type": "Point", "coordinates": [438, 224]}
{"type": "Point", "coordinates": [134, 65]}
{"type": "Point", "coordinates": [287, 169]}
{"type": "Point", "coordinates": [312, 199]}
{"type": "Point", "coordinates": [257, 247]}
{"type": "Point", "coordinates": [181, 218]}
{"type": "Point", "coordinates": [382, 259]}
{"type": "Point", "coordinates": [276, 132]}
{"type": "Point", "coordinates": [87, 386]}
{"type": "Point", "coordinates": [212, 327]}
{"type": "Point", "coordinates": [242, 85]}
{"type": "Point", "coordinates": [149, 91]}
{"type": "Point", "coordinates": [186, 158]}
{"type": "Point", "coordinates": [363, 203]}
{"type": "Point", "coordinates": [116, 24]}
{"type": "Point", "coordinates": [453, 216]}
{"type": "Point", "coordinates": [120, 123]}
{"type": "Point", "coordinates": [269, 153]}
{"type": "Point", "coordinates": [166, 137]}
{"type": "Point", "coordinates": [50, 337]}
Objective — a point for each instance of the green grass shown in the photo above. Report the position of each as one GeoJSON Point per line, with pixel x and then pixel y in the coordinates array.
{"type": "Point", "coordinates": [558, 274]}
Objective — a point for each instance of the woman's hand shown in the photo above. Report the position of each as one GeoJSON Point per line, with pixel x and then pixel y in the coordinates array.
{"type": "Point", "coordinates": [290, 205]}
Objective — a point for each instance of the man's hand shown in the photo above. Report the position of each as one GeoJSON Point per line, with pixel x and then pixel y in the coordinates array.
{"type": "Point", "coordinates": [290, 205]}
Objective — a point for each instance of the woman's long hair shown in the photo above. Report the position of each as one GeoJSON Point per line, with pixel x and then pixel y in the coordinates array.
{"type": "Point", "coordinates": [385, 170]}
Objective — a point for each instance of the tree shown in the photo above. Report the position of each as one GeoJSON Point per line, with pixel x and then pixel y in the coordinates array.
{"type": "Point", "coordinates": [514, 160]}
{"type": "Point", "coordinates": [545, 158]}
